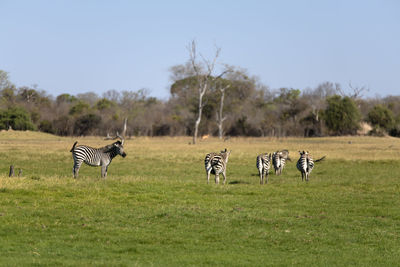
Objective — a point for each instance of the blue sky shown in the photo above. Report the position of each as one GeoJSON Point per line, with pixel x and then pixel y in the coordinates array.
{"type": "Point", "coordinates": [78, 46]}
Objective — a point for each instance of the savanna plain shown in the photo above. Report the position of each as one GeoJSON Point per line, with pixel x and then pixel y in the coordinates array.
{"type": "Point", "coordinates": [156, 209]}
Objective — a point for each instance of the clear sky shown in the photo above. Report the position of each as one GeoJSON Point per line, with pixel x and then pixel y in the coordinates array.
{"type": "Point", "coordinates": [77, 46]}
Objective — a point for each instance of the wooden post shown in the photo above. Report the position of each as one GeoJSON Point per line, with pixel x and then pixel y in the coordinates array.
{"type": "Point", "coordinates": [11, 174]}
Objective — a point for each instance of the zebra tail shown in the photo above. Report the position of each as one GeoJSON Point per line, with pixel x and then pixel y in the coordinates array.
{"type": "Point", "coordinates": [73, 147]}
{"type": "Point", "coordinates": [321, 159]}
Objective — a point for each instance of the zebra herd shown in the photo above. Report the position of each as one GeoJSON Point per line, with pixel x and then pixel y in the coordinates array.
{"type": "Point", "coordinates": [215, 163]}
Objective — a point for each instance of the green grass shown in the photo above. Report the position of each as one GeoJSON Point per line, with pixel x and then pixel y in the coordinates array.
{"type": "Point", "coordinates": [155, 207]}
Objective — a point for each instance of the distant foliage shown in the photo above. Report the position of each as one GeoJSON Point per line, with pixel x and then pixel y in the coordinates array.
{"type": "Point", "coordinates": [342, 117]}
{"type": "Point", "coordinates": [382, 117]}
{"type": "Point", "coordinates": [17, 118]}
{"type": "Point", "coordinates": [87, 124]}
{"type": "Point", "coordinates": [249, 108]}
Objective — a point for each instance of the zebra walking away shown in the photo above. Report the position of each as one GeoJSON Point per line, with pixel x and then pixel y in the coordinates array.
{"type": "Point", "coordinates": [263, 165]}
{"type": "Point", "coordinates": [215, 163]}
{"type": "Point", "coordinates": [279, 160]}
{"type": "Point", "coordinates": [305, 164]}
{"type": "Point", "coordinates": [97, 156]}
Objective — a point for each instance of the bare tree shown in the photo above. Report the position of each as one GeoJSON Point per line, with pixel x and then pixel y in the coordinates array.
{"type": "Point", "coordinates": [220, 117]}
{"type": "Point", "coordinates": [204, 78]}
{"type": "Point", "coordinates": [357, 91]}
{"type": "Point", "coordinates": [109, 137]}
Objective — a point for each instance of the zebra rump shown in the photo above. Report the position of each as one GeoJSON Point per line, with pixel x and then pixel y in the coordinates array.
{"type": "Point", "coordinates": [306, 164]}
{"type": "Point", "coordinates": [215, 163]}
{"type": "Point", "coordinates": [263, 165]}
{"type": "Point", "coordinates": [279, 160]}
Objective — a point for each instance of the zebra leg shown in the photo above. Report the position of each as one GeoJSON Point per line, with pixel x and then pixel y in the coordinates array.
{"type": "Point", "coordinates": [266, 176]}
{"type": "Point", "coordinates": [224, 174]}
{"type": "Point", "coordinates": [307, 174]}
{"type": "Point", "coordinates": [104, 171]}
{"type": "Point", "coordinates": [261, 176]}
{"type": "Point", "coordinates": [75, 169]}
{"type": "Point", "coordinates": [217, 178]}
{"type": "Point", "coordinates": [208, 175]}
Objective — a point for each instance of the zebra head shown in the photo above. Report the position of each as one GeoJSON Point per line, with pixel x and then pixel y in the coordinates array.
{"type": "Point", "coordinates": [225, 154]}
{"type": "Point", "coordinates": [118, 147]}
{"type": "Point", "coordinates": [285, 154]}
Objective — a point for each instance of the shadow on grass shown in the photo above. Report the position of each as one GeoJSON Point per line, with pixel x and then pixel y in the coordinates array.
{"type": "Point", "coordinates": [238, 182]}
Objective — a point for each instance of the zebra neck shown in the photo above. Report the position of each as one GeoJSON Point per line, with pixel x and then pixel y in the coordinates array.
{"type": "Point", "coordinates": [113, 153]}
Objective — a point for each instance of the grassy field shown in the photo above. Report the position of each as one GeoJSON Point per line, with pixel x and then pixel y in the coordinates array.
{"type": "Point", "coordinates": [155, 208]}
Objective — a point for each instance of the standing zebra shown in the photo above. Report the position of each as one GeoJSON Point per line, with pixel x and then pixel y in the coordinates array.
{"type": "Point", "coordinates": [263, 165]}
{"type": "Point", "coordinates": [305, 164]}
{"type": "Point", "coordinates": [97, 156]}
{"type": "Point", "coordinates": [215, 163]}
{"type": "Point", "coordinates": [279, 160]}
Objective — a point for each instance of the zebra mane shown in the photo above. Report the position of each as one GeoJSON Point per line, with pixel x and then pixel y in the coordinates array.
{"type": "Point", "coordinates": [110, 147]}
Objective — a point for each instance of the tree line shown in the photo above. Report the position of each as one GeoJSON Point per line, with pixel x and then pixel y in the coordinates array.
{"type": "Point", "coordinates": [228, 103]}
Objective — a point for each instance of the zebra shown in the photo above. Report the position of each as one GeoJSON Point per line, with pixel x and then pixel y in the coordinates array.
{"type": "Point", "coordinates": [96, 156]}
{"type": "Point", "coordinates": [305, 164]}
{"type": "Point", "coordinates": [279, 160]}
{"type": "Point", "coordinates": [215, 163]}
{"type": "Point", "coordinates": [263, 165]}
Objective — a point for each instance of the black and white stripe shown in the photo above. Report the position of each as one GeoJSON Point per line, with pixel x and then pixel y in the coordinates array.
{"type": "Point", "coordinates": [215, 163]}
{"type": "Point", "coordinates": [305, 164]}
{"type": "Point", "coordinates": [279, 160]}
{"type": "Point", "coordinates": [263, 165]}
{"type": "Point", "coordinates": [96, 156]}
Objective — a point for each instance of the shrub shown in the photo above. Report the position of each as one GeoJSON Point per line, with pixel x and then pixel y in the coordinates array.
{"type": "Point", "coordinates": [87, 124]}
{"type": "Point", "coordinates": [381, 116]}
{"type": "Point", "coordinates": [342, 115]}
{"type": "Point", "coordinates": [16, 117]}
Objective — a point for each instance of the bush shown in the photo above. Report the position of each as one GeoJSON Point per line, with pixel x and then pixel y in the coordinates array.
{"type": "Point", "coordinates": [17, 118]}
{"type": "Point", "coordinates": [46, 126]}
{"type": "Point", "coordinates": [382, 117]}
{"type": "Point", "coordinates": [87, 124]}
{"type": "Point", "coordinates": [342, 115]}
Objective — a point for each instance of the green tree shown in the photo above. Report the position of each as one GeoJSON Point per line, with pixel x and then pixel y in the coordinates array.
{"type": "Point", "coordinates": [46, 126]}
{"type": "Point", "coordinates": [342, 115]}
{"type": "Point", "coordinates": [17, 118]}
{"type": "Point", "coordinates": [79, 108]}
{"type": "Point", "coordinates": [67, 98]}
{"type": "Point", "coordinates": [382, 117]}
{"type": "Point", "coordinates": [4, 80]}
{"type": "Point", "coordinates": [104, 104]}
{"type": "Point", "coordinates": [7, 90]}
{"type": "Point", "coordinates": [87, 124]}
